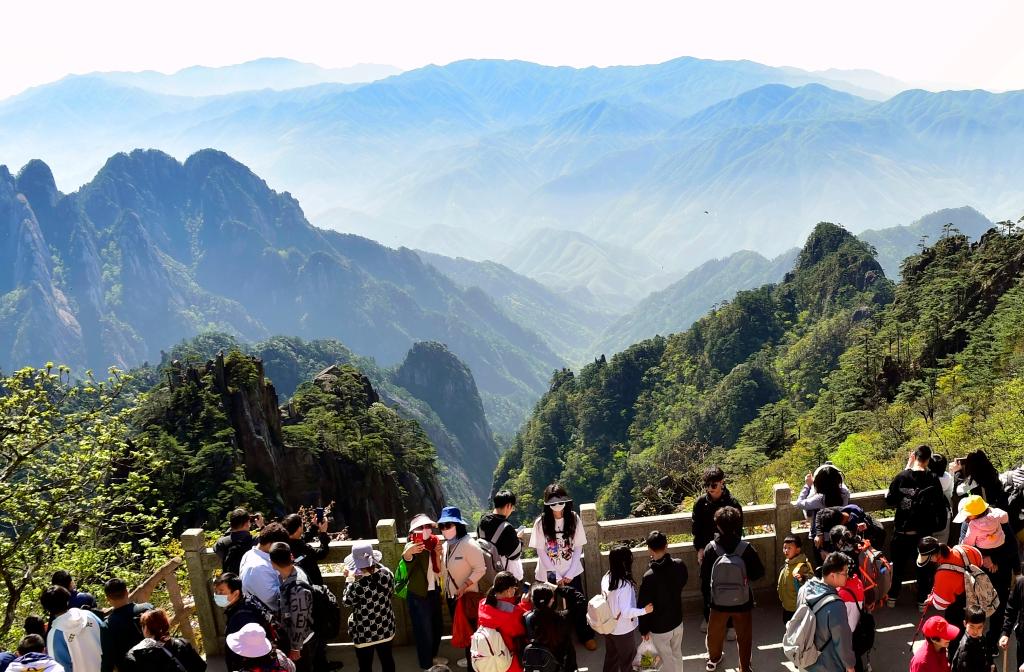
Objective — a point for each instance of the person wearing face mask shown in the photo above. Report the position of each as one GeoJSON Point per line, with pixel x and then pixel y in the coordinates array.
{"type": "Point", "coordinates": [239, 610]}
{"type": "Point", "coordinates": [558, 538]}
{"type": "Point", "coordinates": [422, 556]}
{"type": "Point", "coordinates": [462, 564]}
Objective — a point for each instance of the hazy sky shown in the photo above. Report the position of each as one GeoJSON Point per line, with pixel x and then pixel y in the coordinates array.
{"type": "Point", "coordinates": [963, 44]}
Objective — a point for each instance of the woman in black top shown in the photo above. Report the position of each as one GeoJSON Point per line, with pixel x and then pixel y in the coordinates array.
{"type": "Point", "coordinates": [159, 652]}
{"type": "Point", "coordinates": [551, 628]}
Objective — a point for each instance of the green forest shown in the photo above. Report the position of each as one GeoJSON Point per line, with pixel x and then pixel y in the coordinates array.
{"type": "Point", "coordinates": [836, 362]}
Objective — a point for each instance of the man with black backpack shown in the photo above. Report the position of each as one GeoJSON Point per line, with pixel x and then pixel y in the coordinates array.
{"type": "Point", "coordinates": [123, 628]}
{"type": "Point", "coordinates": [232, 546]}
{"type": "Point", "coordinates": [729, 565]}
{"type": "Point", "coordinates": [662, 585]}
{"type": "Point", "coordinates": [921, 510]}
{"type": "Point", "coordinates": [495, 533]}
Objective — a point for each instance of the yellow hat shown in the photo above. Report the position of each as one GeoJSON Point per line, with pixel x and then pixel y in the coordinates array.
{"type": "Point", "coordinates": [970, 506]}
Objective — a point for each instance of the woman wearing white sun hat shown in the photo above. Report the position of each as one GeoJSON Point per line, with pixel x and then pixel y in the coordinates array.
{"type": "Point", "coordinates": [422, 589]}
{"type": "Point", "coordinates": [256, 651]}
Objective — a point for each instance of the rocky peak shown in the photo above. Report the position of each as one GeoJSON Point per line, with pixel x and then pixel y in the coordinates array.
{"type": "Point", "coordinates": [35, 181]}
{"type": "Point", "coordinates": [432, 373]}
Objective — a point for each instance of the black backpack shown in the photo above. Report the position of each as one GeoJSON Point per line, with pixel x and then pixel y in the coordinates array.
{"type": "Point", "coordinates": [537, 658]}
{"type": "Point", "coordinates": [326, 613]}
{"type": "Point", "coordinates": [233, 556]}
{"type": "Point", "coordinates": [930, 509]}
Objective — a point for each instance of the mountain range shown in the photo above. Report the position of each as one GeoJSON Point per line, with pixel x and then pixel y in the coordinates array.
{"type": "Point", "coordinates": [673, 164]}
{"type": "Point", "coordinates": [152, 250]}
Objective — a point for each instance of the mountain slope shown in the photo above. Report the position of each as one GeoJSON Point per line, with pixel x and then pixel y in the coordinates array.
{"type": "Point", "coordinates": [566, 260]}
{"type": "Point", "coordinates": [565, 324]}
{"type": "Point", "coordinates": [152, 250]}
{"type": "Point", "coordinates": [611, 431]}
{"type": "Point", "coordinates": [679, 305]}
{"type": "Point", "coordinates": [895, 244]}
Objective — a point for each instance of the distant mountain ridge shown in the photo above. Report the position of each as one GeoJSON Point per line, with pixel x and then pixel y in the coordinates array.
{"type": "Point", "coordinates": [263, 73]}
{"type": "Point", "coordinates": [152, 251]}
{"type": "Point", "coordinates": [673, 164]}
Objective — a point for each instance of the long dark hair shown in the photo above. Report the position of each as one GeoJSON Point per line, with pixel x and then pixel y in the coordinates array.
{"type": "Point", "coordinates": [828, 482]}
{"type": "Point", "coordinates": [620, 567]}
{"type": "Point", "coordinates": [547, 516]}
{"type": "Point", "coordinates": [502, 582]}
{"type": "Point", "coordinates": [977, 466]}
{"type": "Point", "coordinates": [547, 626]}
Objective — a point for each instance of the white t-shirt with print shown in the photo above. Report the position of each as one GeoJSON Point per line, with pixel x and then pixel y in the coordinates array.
{"type": "Point", "coordinates": [557, 555]}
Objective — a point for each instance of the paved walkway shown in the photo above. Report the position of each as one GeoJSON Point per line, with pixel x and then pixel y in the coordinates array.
{"type": "Point", "coordinates": [891, 654]}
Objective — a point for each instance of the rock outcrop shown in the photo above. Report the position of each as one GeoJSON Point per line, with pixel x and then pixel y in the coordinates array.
{"type": "Point", "coordinates": [289, 475]}
{"type": "Point", "coordinates": [432, 373]}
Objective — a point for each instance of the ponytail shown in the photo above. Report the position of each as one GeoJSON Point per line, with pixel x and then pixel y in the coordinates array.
{"type": "Point", "coordinates": [502, 581]}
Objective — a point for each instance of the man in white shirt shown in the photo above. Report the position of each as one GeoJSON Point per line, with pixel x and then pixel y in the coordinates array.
{"type": "Point", "coordinates": [259, 578]}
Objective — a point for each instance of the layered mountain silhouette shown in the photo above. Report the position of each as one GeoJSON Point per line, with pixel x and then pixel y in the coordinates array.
{"type": "Point", "coordinates": [677, 163]}
{"type": "Point", "coordinates": [153, 250]}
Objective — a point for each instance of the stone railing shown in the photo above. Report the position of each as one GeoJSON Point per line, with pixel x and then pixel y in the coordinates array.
{"type": "Point", "coordinates": [773, 522]}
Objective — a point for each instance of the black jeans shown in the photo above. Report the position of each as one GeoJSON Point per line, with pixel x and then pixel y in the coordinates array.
{"type": "Point", "coordinates": [425, 614]}
{"type": "Point", "coordinates": [579, 615]}
{"type": "Point", "coordinates": [364, 656]}
{"type": "Point", "coordinates": [904, 552]}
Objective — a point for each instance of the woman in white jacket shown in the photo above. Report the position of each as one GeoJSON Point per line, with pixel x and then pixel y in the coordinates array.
{"type": "Point", "coordinates": [620, 591]}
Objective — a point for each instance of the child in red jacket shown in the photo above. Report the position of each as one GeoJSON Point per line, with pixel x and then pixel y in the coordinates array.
{"type": "Point", "coordinates": [502, 611]}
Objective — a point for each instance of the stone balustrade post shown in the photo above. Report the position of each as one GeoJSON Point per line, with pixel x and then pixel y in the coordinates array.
{"type": "Point", "coordinates": [783, 519]}
{"type": "Point", "coordinates": [194, 542]}
{"type": "Point", "coordinates": [593, 560]}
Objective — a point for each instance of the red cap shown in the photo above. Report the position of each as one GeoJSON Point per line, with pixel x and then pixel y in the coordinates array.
{"type": "Point", "coordinates": [938, 627]}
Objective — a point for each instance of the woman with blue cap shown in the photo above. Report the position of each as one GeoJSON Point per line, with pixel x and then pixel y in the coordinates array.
{"type": "Point", "coordinates": [462, 563]}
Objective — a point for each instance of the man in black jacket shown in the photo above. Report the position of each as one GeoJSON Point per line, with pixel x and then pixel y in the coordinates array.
{"type": "Point", "coordinates": [123, 628]}
{"type": "Point", "coordinates": [308, 557]}
{"type": "Point", "coordinates": [662, 586]}
{"type": "Point", "coordinates": [921, 509]}
{"type": "Point", "coordinates": [716, 496]}
{"type": "Point", "coordinates": [495, 528]}
{"type": "Point", "coordinates": [232, 546]}
{"type": "Point", "coordinates": [240, 609]}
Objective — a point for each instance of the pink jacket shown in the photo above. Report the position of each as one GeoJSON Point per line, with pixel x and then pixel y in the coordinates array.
{"type": "Point", "coordinates": [987, 531]}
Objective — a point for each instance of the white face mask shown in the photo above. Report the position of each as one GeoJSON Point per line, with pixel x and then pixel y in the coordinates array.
{"type": "Point", "coordinates": [448, 532]}
{"type": "Point", "coordinates": [557, 507]}
{"type": "Point", "coordinates": [221, 601]}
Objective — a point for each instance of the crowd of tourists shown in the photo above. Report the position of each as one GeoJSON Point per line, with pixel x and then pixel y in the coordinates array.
{"type": "Point", "coordinates": [956, 536]}
{"type": "Point", "coordinates": [830, 585]}
{"type": "Point", "coordinates": [76, 635]}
